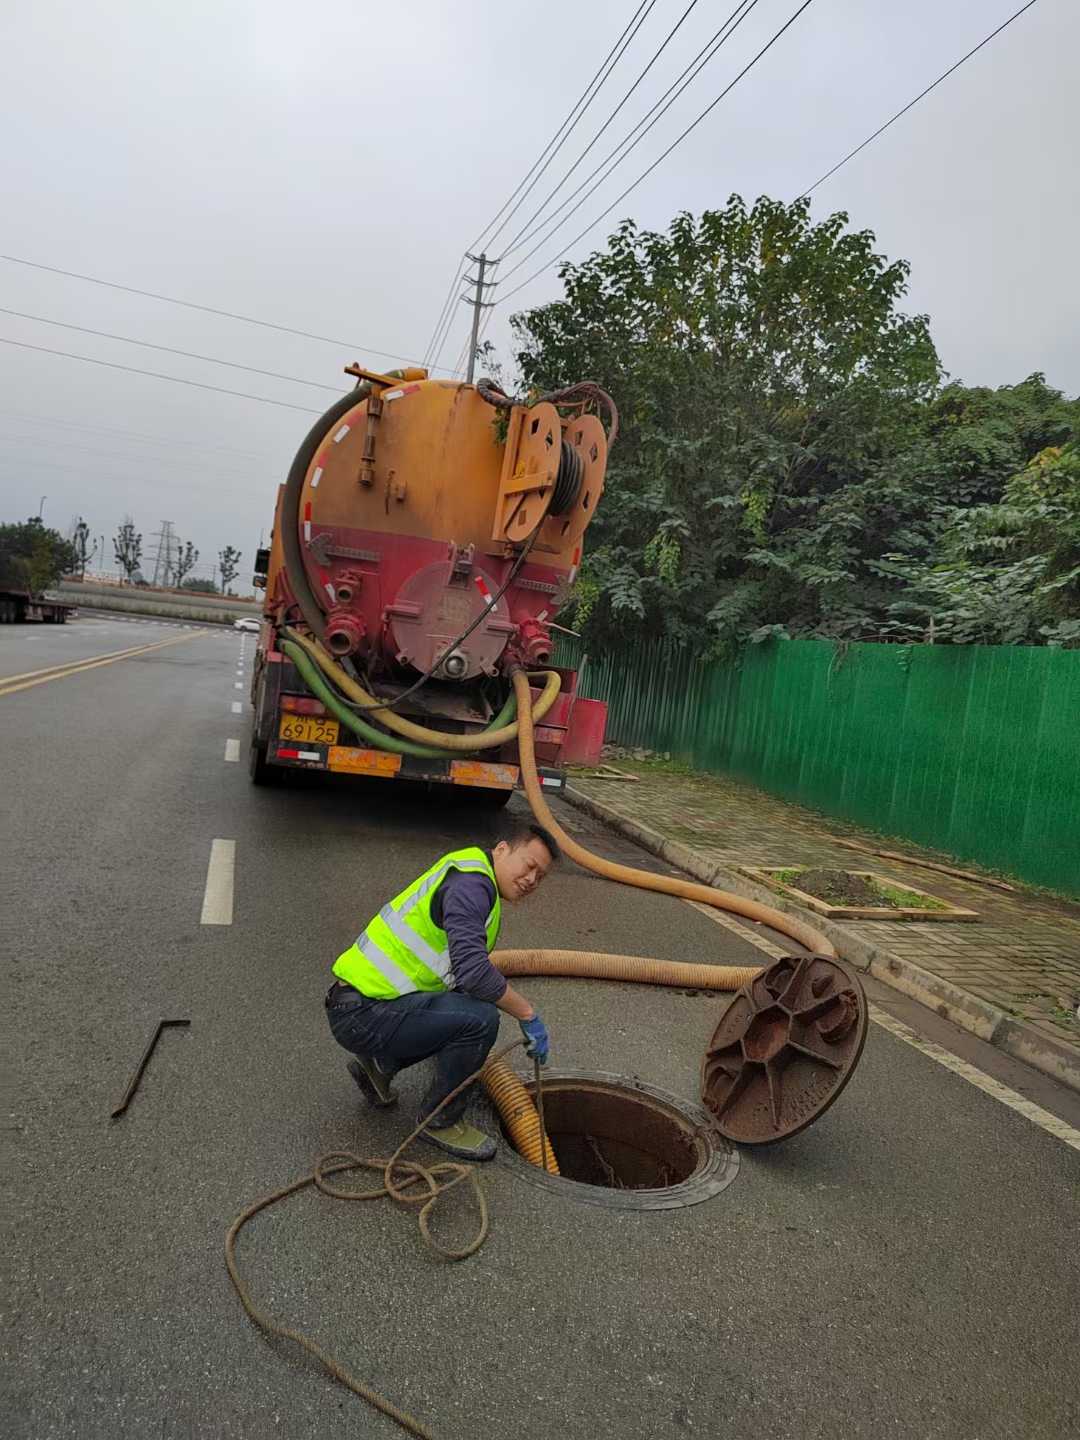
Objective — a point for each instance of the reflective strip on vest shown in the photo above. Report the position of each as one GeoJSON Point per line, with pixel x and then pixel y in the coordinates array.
{"type": "Point", "coordinates": [386, 967]}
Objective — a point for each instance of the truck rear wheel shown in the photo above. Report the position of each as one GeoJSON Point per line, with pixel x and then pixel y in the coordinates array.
{"type": "Point", "coordinates": [491, 799]}
{"type": "Point", "coordinates": [260, 771]}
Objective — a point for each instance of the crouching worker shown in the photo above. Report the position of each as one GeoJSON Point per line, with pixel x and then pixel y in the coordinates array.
{"type": "Point", "coordinates": [419, 983]}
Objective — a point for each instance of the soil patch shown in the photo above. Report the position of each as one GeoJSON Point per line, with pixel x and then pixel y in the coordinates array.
{"type": "Point", "coordinates": [842, 887]}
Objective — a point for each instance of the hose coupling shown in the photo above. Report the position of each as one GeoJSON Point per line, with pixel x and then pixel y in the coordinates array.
{"type": "Point", "coordinates": [345, 632]}
{"type": "Point", "coordinates": [534, 642]}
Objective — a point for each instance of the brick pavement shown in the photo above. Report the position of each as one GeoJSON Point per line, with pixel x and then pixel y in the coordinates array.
{"type": "Point", "coordinates": [1022, 955]}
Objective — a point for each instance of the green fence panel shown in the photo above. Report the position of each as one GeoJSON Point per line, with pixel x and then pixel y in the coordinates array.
{"type": "Point", "coordinates": [974, 750]}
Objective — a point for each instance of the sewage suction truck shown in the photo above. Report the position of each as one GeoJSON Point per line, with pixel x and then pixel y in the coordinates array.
{"type": "Point", "coordinates": [425, 537]}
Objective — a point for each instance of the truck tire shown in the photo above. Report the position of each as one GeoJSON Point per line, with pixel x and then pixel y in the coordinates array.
{"type": "Point", "coordinates": [259, 771]}
{"type": "Point", "coordinates": [491, 799]}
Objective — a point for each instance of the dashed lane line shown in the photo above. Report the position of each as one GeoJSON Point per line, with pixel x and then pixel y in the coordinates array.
{"type": "Point", "coordinates": [217, 905]}
{"type": "Point", "coordinates": [232, 749]}
{"type": "Point", "coordinates": [986, 1083]}
{"type": "Point", "coordinates": [236, 707]}
{"type": "Point", "coordinates": [11, 684]}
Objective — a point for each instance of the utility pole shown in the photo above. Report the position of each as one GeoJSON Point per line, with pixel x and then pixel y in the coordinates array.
{"type": "Point", "coordinates": [478, 304]}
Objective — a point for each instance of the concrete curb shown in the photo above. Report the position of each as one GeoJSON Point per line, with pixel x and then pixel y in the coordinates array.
{"type": "Point", "coordinates": [1023, 1042]}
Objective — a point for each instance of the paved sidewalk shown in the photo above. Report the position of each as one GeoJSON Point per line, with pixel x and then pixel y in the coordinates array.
{"type": "Point", "coordinates": [1012, 977]}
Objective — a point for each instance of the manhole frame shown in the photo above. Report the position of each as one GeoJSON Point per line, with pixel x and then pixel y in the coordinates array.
{"type": "Point", "coordinates": [718, 1163]}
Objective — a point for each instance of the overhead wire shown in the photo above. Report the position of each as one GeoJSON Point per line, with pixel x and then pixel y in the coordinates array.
{"type": "Point", "coordinates": [634, 137]}
{"type": "Point", "coordinates": [172, 350]}
{"type": "Point", "coordinates": [662, 157]}
{"type": "Point", "coordinates": [555, 144]}
{"type": "Point", "coordinates": [157, 375]}
{"type": "Point", "coordinates": [513, 243]}
{"type": "Point", "coordinates": [208, 309]}
{"type": "Point", "coordinates": [446, 315]}
{"type": "Point", "coordinates": [29, 418]}
{"type": "Point", "coordinates": [911, 103]}
{"type": "Point", "coordinates": [446, 305]}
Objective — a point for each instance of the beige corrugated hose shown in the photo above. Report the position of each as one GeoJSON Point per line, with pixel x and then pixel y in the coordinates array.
{"type": "Point", "coordinates": [805, 935]}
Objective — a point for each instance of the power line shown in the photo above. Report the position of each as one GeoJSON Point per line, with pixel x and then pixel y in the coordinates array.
{"type": "Point", "coordinates": [207, 309]}
{"type": "Point", "coordinates": [168, 442]}
{"type": "Point", "coordinates": [578, 109]}
{"type": "Point", "coordinates": [156, 375]}
{"type": "Point", "coordinates": [514, 241]}
{"type": "Point", "coordinates": [633, 138]}
{"type": "Point", "coordinates": [145, 460]}
{"type": "Point", "coordinates": [446, 314]}
{"type": "Point", "coordinates": [922, 93]}
{"type": "Point", "coordinates": [446, 305]}
{"type": "Point", "coordinates": [171, 350]}
{"type": "Point", "coordinates": [677, 141]}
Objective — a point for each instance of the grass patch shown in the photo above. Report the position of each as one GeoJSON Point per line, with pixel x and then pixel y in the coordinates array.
{"type": "Point", "coordinates": [908, 899]}
{"type": "Point", "coordinates": [893, 897]}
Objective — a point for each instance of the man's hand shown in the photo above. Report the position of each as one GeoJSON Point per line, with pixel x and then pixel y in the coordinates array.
{"type": "Point", "coordinates": [535, 1032]}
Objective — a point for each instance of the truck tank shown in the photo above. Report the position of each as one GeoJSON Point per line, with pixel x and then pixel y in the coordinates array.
{"type": "Point", "coordinates": [425, 538]}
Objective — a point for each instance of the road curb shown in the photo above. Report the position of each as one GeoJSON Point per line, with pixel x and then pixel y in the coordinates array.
{"type": "Point", "coordinates": [1023, 1042]}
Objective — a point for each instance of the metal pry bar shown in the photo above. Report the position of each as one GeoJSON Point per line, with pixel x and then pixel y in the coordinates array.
{"type": "Point", "coordinates": [133, 1083]}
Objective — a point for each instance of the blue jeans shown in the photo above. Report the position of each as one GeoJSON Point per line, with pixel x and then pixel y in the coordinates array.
{"type": "Point", "coordinates": [456, 1029]}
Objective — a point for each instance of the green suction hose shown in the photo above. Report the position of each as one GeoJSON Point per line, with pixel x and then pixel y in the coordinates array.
{"type": "Point", "coordinates": [381, 739]}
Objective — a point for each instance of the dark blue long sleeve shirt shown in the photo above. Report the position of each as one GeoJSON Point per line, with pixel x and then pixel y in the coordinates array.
{"type": "Point", "coordinates": [461, 906]}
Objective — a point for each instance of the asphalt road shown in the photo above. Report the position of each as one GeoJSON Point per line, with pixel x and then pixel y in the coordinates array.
{"type": "Point", "coordinates": [908, 1266]}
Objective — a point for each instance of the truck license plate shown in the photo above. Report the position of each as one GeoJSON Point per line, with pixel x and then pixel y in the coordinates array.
{"type": "Point", "coordinates": [311, 729]}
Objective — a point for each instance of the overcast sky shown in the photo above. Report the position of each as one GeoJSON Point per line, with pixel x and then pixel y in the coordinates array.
{"type": "Point", "coordinates": [323, 165]}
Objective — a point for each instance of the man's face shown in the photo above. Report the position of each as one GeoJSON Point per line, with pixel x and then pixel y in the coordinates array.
{"type": "Point", "coordinates": [519, 871]}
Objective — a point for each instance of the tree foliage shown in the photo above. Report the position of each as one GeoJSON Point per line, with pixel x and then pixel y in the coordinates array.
{"type": "Point", "coordinates": [127, 548]}
{"type": "Point", "coordinates": [32, 557]}
{"type": "Point", "coordinates": [228, 563]}
{"type": "Point", "coordinates": [784, 430]}
{"type": "Point", "coordinates": [186, 558]}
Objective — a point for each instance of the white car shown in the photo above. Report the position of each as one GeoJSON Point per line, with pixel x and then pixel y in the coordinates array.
{"type": "Point", "coordinates": [247, 623]}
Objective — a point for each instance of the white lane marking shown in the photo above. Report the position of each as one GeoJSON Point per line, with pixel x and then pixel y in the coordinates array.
{"type": "Point", "coordinates": [238, 685]}
{"type": "Point", "coordinates": [236, 707]}
{"type": "Point", "coordinates": [232, 749]}
{"type": "Point", "coordinates": [217, 905]}
{"type": "Point", "coordinates": [1030, 1111]}
{"type": "Point", "coordinates": [729, 922]}
{"type": "Point", "coordinates": [986, 1083]}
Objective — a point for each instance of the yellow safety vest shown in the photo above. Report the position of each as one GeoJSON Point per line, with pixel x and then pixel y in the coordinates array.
{"type": "Point", "coordinates": [402, 949]}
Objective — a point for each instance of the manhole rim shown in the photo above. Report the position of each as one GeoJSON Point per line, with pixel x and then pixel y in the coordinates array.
{"type": "Point", "coordinates": [716, 1171]}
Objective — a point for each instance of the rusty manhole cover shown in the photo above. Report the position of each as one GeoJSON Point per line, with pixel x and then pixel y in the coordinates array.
{"type": "Point", "coordinates": [784, 1049]}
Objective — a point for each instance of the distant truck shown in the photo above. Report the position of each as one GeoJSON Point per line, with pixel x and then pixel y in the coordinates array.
{"type": "Point", "coordinates": [17, 606]}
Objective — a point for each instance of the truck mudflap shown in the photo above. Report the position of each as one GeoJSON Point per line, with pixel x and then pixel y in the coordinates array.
{"type": "Point", "coordinates": [356, 760]}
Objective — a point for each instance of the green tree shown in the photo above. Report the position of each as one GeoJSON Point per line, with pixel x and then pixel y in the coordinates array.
{"type": "Point", "coordinates": [767, 382]}
{"type": "Point", "coordinates": [1004, 573]}
{"type": "Point", "coordinates": [32, 557]}
{"type": "Point", "coordinates": [80, 546]}
{"type": "Point", "coordinates": [127, 548]}
{"type": "Point", "coordinates": [186, 558]}
{"type": "Point", "coordinates": [228, 563]}
{"type": "Point", "coordinates": [192, 583]}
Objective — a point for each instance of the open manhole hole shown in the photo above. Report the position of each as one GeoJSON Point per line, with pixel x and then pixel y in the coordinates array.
{"type": "Point", "coordinates": [627, 1145]}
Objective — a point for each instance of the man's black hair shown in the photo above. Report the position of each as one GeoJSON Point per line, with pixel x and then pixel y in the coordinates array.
{"type": "Point", "coordinates": [522, 834]}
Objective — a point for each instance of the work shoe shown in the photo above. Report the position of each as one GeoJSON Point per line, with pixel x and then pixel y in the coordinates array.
{"type": "Point", "coordinates": [375, 1085]}
{"type": "Point", "coordinates": [462, 1140]}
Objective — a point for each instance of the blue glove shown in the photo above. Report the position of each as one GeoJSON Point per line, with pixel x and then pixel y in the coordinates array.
{"type": "Point", "coordinates": [535, 1032]}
